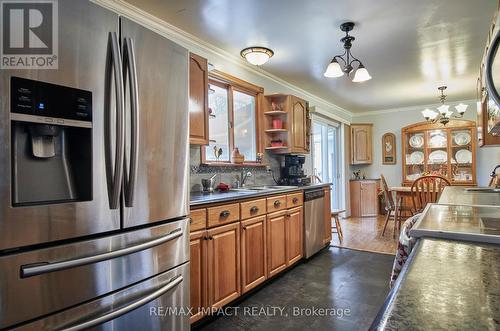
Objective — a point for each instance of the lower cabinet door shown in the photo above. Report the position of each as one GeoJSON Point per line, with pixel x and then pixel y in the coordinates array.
{"type": "Point", "coordinates": [294, 231]}
{"type": "Point", "coordinates": [198, 274]}
{"type": "Point", "coordinates": [276, 242]}
{"type": "Point", "coordinates": [328, 218]}
{"type": "Point", "coordinates": [223, 248]}
{"type": "Point", "coordinates": [253, 252]}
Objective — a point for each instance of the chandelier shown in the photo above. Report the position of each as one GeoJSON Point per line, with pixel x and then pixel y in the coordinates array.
{"type": "Point", "coordinates": [347, 59]}
{"type": "Point", "coordinates": [443, 115]}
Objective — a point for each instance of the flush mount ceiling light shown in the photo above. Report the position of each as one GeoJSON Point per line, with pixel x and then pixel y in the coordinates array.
{"type": "Point", "coordinates": [257, 55]}
{"type": "Point", "coordinates": [443, 115]}
{"type": "Point", "coordinates": [334, 69]}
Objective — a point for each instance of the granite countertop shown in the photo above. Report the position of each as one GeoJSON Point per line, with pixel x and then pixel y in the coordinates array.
{"type": "Point", "coordinates": [445, 285]}
{"type": "Point", "coordinates": [468, 223]}
{"type": "Point", "coordinates": [457, 195]}
{"type": "Point", "coordinates": [199, 198]}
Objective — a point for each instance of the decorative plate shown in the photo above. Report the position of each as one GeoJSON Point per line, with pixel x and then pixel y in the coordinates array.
{"type": "Point", "coordinates": [463, 156]}
{"type": "Point", "coordinates": [417, 157]}
{"type": "Point", "coordinates": [416, 141]}
{"type": "Point", "coordinates": [462, 138]}
{"type": "Point", "coordinates": [438, 157]}
{"type": "Point", "coordinates": [437, 141]}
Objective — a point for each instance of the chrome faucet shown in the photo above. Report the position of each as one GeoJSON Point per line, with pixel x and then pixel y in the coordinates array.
{"type": "Point", "coordinates": [493, 177]}
{"type": "Point", "coordinates": [244, 176]}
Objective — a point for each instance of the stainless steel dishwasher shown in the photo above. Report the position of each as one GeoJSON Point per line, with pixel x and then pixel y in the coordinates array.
{"type": "Point", "coordinates": [314, 226]}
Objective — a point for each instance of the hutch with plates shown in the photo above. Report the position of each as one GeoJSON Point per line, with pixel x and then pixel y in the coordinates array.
{"type": "Point", "coordinates": [447, 150]}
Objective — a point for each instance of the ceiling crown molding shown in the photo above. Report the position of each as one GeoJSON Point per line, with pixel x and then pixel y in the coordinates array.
{"type": "Point", "coordinates": [192, 42]}
{"type": "Point", "coordinates": [408, 108]}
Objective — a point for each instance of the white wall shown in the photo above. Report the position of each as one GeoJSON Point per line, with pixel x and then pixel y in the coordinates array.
{"type": "Point", "coordinates": [392, 121]}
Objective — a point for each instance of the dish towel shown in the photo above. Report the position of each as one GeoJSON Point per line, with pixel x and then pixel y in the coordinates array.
{"type": "Point", "coordinates": [405, 245]}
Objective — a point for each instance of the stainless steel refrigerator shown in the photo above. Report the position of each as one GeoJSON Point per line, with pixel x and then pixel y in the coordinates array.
{"type": "Point", "coordinates": [93, 180]}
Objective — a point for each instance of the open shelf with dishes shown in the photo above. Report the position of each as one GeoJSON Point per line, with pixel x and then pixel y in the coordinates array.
{"type": "Point", "coordinates": [436, 149]}
{"type": "Point", "coordinates": [286, 124]}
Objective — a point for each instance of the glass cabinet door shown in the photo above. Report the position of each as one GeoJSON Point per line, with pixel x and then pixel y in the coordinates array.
{"type": "Point", "coordinates": [415, 155]}
{"type": "Point", "coordinates": [461, 155]}
{"type": "Point", "coordinates": [437, 153]}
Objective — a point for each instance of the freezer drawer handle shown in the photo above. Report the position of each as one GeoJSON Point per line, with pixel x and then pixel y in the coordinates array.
{"type": "Point", "coordinates": [173, 282]}
{"type": "Point", "coordinates": [36, 269]}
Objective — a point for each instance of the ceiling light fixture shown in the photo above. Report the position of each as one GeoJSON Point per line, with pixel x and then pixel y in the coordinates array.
{"type": "Point", "coordinates": [257, 55]}
{"type": "Point", "coordinates": [334, 69]}
{"type": "Point", "coordinates": [443, 115]}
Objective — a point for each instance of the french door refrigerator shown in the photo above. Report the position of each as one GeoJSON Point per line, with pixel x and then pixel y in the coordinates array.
{"type": "Point", "coordinates": [93, 180]}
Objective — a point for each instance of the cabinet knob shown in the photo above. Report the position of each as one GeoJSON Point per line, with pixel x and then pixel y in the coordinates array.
{"type": "Point", "coordinates": [225, 213]}
{"type": "Point", "coordinates": [190, 220]}
{"type": "Point", "coordinates": [254, 209]}
{"type": "Point", "coordinates": [244, 228]}
{"type": "Point", "coordinates": [295, 200]}
{"type": "Point", "coordinates": [277, 203]}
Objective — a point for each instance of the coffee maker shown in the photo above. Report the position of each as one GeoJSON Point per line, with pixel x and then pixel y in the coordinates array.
{"type": "Point", "coordinates": [292, 173]}
{"type": "Point", "coordinates": [51, 143]}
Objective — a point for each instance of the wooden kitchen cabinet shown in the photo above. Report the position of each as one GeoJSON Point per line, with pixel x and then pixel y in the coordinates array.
{"type": "Point", "coordinates": [328, 217]}
{"type": "Point", "coordinates": [294, 230]}
{"type": "Point", "coordinates": [223, 251]}
{"type": "Point", "coordinates": [294, 133]}
{"type": "Point", "coordinates": [198, 274]}
{"type": "Point", "coordinates": [276, 242]}
{"type": "Point", "coordinates": [361, 144]}
{"type": "Point", "coordinates": [198, 100]}
{"type": "Point", "coordinates": [364, 197]}
{"type": "Point", "coordinates": [253, 253]}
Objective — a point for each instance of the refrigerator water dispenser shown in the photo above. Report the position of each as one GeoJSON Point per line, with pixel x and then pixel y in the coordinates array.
{"type": "Point", "coordinates": [51, 143]}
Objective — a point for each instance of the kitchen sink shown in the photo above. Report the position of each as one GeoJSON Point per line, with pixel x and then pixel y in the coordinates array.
{"type": "Point", "coordinates": [483, 190]}
{"type": "Point", "coordinates": [263, 188]}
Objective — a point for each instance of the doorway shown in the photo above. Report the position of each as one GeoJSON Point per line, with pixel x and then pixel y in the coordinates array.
{"type": "Point", "coordinates": [326, 156]}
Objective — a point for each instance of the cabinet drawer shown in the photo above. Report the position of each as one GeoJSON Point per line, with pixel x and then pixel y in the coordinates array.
{"type": "Point", "coordinates": [223, 214]}
{"type": "Point", "coordinates": [198, 219]}
{"type": "Point", "coordinates": [253, 208]}
{"type": "Point", "coordinates": [294, 200]}
{"type": "Point", "coordinates": [276, 203]}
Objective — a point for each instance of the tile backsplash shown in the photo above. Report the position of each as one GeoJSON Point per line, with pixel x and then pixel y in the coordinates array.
{"type": "Point", "coordinates": [229, 174]}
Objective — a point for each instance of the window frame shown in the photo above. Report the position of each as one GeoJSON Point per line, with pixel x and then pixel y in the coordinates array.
{"type": "Point", "coordinates": [232, 84]}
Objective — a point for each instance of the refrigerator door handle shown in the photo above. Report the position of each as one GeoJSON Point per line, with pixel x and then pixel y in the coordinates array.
{"type": "Point", "coordinates": [120, 128]}
{"type": "Point", "coordinates": [171, 284]}
{"type": "Point", "coordinates": [40, 268]}
{"type": "Point", "coordinates": [131, 68]}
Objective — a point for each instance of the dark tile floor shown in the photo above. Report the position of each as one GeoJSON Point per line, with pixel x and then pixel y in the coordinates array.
{"type": "Point", "coordinates": [351, 282]}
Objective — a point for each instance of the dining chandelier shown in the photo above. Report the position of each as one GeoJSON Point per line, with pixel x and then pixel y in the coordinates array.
{"type": "Point", "coordinates": [443, 115]}
{"type": "Point", "coordinates": [334, 69]}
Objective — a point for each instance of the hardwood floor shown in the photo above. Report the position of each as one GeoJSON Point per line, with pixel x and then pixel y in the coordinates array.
{"type": "Point", "coordinates": [365, 234]}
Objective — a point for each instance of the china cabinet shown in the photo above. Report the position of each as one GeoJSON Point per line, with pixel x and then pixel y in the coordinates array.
{"type": "Point", "coordinates": [287, 124]}
{"type": "Point", "coordinates": [435, 149]}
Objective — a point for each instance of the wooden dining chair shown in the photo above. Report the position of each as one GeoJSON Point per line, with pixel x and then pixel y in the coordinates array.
{"type": "Point", "coordinates": [427, 189]}
{"type": "Point", "coordinates": [390, 207]}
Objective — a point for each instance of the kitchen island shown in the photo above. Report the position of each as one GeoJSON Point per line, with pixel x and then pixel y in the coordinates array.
{"type": "Point", "coordinates": [451, 279]}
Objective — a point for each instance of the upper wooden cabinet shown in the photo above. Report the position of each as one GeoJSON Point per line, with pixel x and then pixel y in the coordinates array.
{"type": "Point", "coordinates": [287, 124]}
{"type": "Point", "coordinates": [361, 144]}
{"type": "Point", "coordinates": [446, 150]}
{"type": "Point", "coordinates": [198, 100]}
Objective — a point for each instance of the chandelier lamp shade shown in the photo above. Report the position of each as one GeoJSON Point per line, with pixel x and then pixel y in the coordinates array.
{"type": "Point", "coordinates": [345, 64]}
{"type": "Point", "coordinates": [257, 55]}
{"type": "Point", "coordinates": [443, 113]}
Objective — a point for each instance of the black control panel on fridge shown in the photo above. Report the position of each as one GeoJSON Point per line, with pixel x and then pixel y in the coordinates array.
{"type": "Point", "coordinates": [37, 98]}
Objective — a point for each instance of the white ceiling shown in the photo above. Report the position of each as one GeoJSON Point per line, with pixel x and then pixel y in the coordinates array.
{"type": "Point", "coordinates": [409, 47]}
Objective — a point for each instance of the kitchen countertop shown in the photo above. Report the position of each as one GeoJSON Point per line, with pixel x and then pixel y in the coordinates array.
{"type": "Point", "coordinates": [468, 223]}
{"type": "Point", "coordinates": [457, 195]}
{"type": "Point", "coordinates": [199, 198]}
{"type": "Point", "coordinates": [445, 285]}
{"type": "Point", "coordinates": [451, 279]}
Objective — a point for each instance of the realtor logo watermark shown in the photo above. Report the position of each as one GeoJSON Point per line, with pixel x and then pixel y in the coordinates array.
{"type": "Point", "coordinates": [29, 37]}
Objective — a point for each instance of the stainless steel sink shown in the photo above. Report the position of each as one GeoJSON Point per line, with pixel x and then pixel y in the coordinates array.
{"type": "Point", "coordinates": [262, 188]}
{"type": "Point", "coordinates": [483, 190]}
